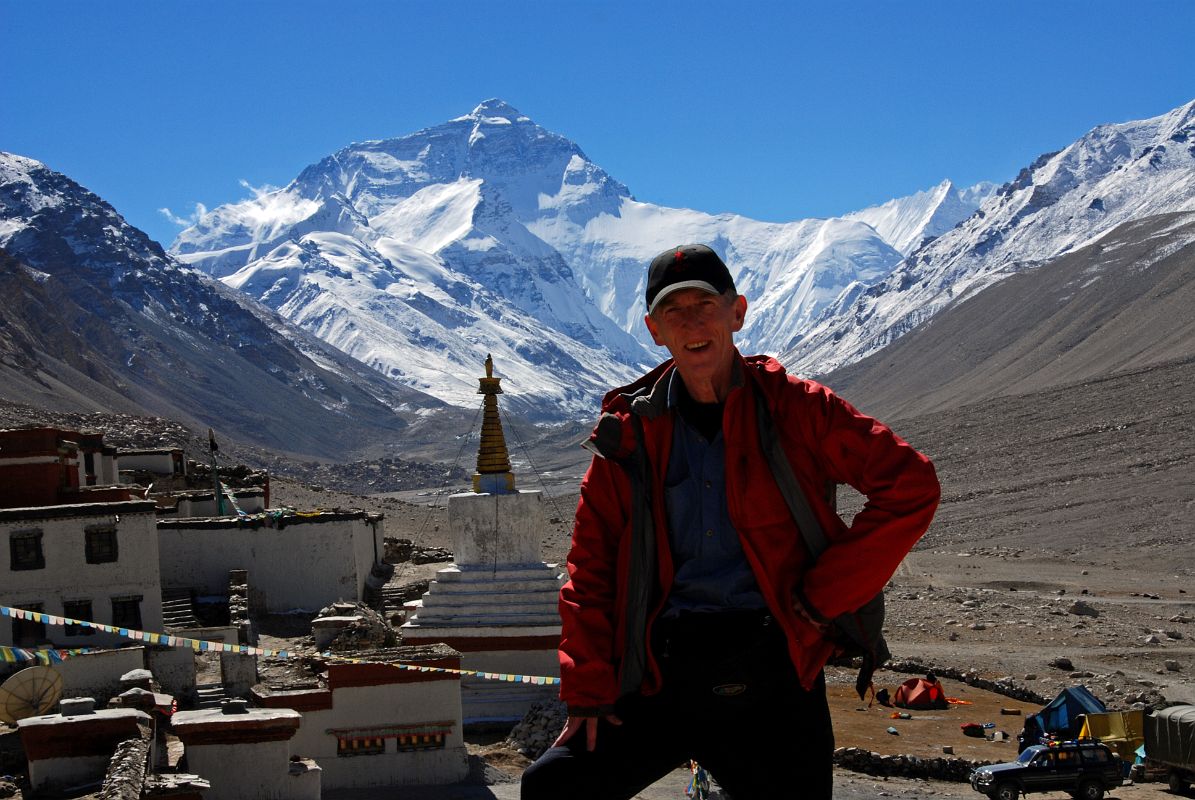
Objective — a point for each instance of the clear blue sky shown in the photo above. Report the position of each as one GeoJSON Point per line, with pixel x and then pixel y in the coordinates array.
{"type": "Point", "coordinates": [775, 110]}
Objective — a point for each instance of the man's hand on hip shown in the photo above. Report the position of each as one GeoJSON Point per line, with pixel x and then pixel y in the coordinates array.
{"type": "Point", "coordinates": [574, 724]}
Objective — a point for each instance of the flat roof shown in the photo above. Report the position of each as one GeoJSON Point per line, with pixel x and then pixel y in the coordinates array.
{"type": "Point", "coordinates": [266, 519]}
{"type": "Point", "coordinates": [78, 510]}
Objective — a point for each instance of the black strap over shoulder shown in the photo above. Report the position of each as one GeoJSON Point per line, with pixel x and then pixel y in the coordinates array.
{"type": "Point", "coordinates": [641, 576]}
{"type": "Point", "coordinates": [856, 633]}
{"type": "Point", "coordinates": [790, 488]}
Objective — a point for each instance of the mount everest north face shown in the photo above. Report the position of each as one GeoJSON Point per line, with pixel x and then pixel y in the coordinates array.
{"type": "Point", "coordinates": [488, 234]}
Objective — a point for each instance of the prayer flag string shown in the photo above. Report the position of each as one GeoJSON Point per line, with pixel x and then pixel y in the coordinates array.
{"type": "Point", "coordinates": [15, 655]}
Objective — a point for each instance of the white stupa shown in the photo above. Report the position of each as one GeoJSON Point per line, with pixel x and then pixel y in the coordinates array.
{"type": "Point", "coordinates": [496, 603]}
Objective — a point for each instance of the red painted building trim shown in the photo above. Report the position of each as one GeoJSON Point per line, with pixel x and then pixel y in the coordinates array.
{"type": "Point", "coordinates": [475, 644]}
{"type": "Point", "coordinates": [297, 699]}
{"type": "Point", "coordinates": [236, 731]}
{"type": "Point", "coordinates": [343, 676]}
{"type": "Point", "coordinates": [80, 738]}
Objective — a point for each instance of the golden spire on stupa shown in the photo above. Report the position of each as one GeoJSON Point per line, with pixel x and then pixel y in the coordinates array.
{"type": "Point", "coordinates": [493, 474]}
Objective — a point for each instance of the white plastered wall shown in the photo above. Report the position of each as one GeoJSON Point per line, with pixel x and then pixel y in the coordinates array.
{"type": "Point", "coordinates": [377, 706]}
{"type": "Point", "coordinates": [68, 577]}
{"type": "Point", "coordinates": [258, 771]}
{"type": "Point", "coordinates": [304, 565]}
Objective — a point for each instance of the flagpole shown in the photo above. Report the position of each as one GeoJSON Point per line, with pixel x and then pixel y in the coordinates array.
{"type": "Point", "coordinates": [212, 449]}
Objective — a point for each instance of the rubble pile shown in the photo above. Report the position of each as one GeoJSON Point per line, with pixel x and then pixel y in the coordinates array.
{"type": "Point", "coordinates": [369, 632]}
{"type": "Point", "coordinates": [121, 430]}
{"type": "Point", "coordinates": [237, 476]}
{"type": "Point", "coordinates": [131, 431]}
{"type": "Point", "coordinates": [401, 551]}
{"type": "Point", "coordinates": [538, 729]}
{"type": "Point", "coordinates": [376, 476]}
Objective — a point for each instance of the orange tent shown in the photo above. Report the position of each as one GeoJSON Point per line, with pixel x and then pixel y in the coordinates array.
{"type": "Point", "coordinates": [920, 693]}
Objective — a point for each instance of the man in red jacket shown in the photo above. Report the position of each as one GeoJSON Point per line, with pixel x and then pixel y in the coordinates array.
{"type": "Point", "coordinates": [695, 617]}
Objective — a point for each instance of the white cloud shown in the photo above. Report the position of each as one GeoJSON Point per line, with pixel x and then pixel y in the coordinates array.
{"type": "Point", "coordinates": [187, 221]}
{"type": "Point", "coordinates": [257, 191]}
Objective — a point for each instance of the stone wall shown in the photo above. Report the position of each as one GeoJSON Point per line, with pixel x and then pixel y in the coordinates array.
{"type": "Point", "coordinates": [941, 769]}
{"type": "Point", "coordinates": [296, 562]}
{"type": "Point", "coordinates": [1008, 687]}
{"type": "Point", "coordinates": [125, 778]}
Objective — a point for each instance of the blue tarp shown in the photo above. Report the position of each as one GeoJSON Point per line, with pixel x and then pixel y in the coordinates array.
{"type": "Point", "coordinates": [1062, 716]}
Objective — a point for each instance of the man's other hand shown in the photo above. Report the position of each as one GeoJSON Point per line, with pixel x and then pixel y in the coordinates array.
{"type": "Point", "coordinates": [574, 724]}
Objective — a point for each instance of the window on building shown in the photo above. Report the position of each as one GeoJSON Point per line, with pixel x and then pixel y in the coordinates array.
{"type": "Point", "coordinates": [126, 612]}
{"type": "Point", "coordinates": [89, 467]}
{"type": "Point", "coordinates": [81, 610]}
{"type": "Point", "coordinates": [419, 741]}
{"type": "Point", "coordinates": [25, 550]}
{"type": "Point", "coordinates": [360, 746]}
{"type": "Point", "coordinates": [25, 632]}
{"type": "Point", "coordinates": [101, 544]}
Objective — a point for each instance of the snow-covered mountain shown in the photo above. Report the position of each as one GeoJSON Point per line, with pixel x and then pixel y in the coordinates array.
{"type": "Point", "coordinates": [410, 255]}
{"type": "Point", "coordinates": [97, 317]}
{"type": "Point", "coordinates": [489, 234]}
{"type": "Point", "coordinates": [907, 223]}
{"type": "Point", "coordinates": [1063, 201]}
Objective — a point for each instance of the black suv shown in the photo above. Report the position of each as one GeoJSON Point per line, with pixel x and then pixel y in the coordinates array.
{"type": "Point", "coordinates": [1084, 768]}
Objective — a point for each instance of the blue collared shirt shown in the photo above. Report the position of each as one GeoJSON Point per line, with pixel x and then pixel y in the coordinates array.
{"type": "Point", "coordinates": [710, 568]}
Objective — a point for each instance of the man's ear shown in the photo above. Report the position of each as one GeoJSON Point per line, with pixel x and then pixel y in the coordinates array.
{"type": "Point", "coordinates": [653, 329]}
{"type": "Point", "coordinates": [740, 313]}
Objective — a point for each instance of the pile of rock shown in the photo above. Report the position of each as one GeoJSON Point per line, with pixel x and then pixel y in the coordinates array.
{"type": "Point", "coordinates": [400, 551]}
{"type": "Point", "coordinates": [359, 627]}
{"type": "Point", "coordinates": [538, 729]}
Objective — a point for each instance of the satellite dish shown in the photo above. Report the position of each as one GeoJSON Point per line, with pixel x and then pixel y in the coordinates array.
{"type": "Point", "coordinates": [30, 692]}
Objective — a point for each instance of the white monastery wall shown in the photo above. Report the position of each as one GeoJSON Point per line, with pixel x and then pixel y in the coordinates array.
{"type": "Point", "coordinates": [256, 771]}
{"type": "Point", "coordinates": [97, 675]}
{"type": "Point", "coordinates": [159, 463]}
{"type": "Point", "coordinates": [359, 708]}
{"type": "Point", "coordinates": [307, 564]}
{"type": "Point", "coordinates": [67, 577]}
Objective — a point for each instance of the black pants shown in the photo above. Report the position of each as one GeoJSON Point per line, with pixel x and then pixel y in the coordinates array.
{"type": "Point", "coordinates": [731, 700]}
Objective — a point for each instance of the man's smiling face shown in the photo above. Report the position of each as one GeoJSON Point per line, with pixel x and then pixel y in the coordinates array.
{"type": "Point", "coordinates": [698, 329]}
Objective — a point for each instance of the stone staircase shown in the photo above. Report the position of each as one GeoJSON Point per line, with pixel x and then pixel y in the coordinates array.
{"type": "Point", "coordinates": [178, 609]}
{"type": "Point", "coordinates": [515, 595]}
{"type": "Point", "coordinates": [208, 695]}
{"type": "Point", "coordinates": [387, 593]}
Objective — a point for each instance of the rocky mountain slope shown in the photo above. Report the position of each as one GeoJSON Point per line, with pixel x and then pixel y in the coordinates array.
{"type": "Point", "coordinates": [98, 317]}
{"type": "Point", "coordinates": [1121, 303]}
{"type": "Point", "coordinates": [1062, 202]}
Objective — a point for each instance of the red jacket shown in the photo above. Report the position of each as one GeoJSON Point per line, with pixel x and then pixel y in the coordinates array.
{"type": "Point", "coordinates": [827, 442]}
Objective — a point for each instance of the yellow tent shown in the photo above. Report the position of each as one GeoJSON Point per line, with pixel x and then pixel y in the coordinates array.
{"type": "Point", "coordinates": [1123, 731]}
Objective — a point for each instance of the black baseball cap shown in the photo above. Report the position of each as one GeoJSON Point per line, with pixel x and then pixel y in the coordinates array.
{"type": "Point", "coordinates": [689, 266]}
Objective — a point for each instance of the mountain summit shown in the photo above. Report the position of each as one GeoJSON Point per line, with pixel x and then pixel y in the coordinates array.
{"type": "Point", "coordinates": [411, 255]}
